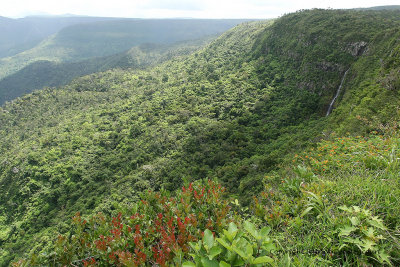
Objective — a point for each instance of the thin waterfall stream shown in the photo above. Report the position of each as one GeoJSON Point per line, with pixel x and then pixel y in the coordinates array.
{"type": "Point", "coordinates": [337, 94]}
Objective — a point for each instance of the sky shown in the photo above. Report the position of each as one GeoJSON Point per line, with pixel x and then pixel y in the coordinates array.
{"type": "Point", "coordinates": [175, 8]}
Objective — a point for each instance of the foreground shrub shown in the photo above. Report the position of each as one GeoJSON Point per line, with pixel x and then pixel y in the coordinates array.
{"type": "Point", "coordinates": [156, 230]}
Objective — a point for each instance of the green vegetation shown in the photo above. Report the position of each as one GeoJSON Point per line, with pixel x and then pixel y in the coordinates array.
{"type": "Point", "coordinates": [18, 35]}
{"type": "Point", "coordinates": [240, 124]}
{"type": "Point", "coordinates": [103, 38]}
{"type": "Point", "coordinates": [42, 74]}
{"type": "Point", "coordinates": [298, 219]}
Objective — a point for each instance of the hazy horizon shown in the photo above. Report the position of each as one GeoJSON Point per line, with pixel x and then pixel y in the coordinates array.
{"type": "Point", "coordinates": [196, 9]}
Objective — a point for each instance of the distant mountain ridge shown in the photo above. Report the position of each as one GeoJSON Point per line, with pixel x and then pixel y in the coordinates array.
{"type": "Point", "coordinates": [18, 35]}
{"type": "Point", "coordinates": [99, 38]}
{"type": "Point", "coordinates": [46, 73]}
{"type": "Point", "coordinates": [389, 7]}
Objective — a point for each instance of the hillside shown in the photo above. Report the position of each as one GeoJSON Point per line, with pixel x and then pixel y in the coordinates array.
{"type": "Point", "coordinates": [40, 74]}
{"type": "Point", "coordinates": [103, 38]}
{"type": "Point", "coordinates": [18, 35]}
{"type": "Point", "coordinates": [249, 111]}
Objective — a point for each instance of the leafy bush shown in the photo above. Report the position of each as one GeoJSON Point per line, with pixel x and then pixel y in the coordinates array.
{"type": "Point", "coordinates": [234, 247]}
{"type": "Point", "coordinates": [157, 229]}
{"type": "Point", "coordinates": [363, 234]}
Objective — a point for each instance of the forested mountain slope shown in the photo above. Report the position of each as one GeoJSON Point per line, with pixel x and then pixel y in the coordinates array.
{"type": "Point", "coordinates": [103, 38]}
{"type": "Point", "coordinates": [40, 74]}
{"type": "Point", "coordinates": [233, 111]}
{"type": "Point", "coordinates": [18, 35]}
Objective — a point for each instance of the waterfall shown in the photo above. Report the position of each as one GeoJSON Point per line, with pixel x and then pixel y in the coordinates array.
{"type": "Point", "coordinates": [337, 94]}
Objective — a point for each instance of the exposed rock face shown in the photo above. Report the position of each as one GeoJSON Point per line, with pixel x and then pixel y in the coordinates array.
{"type": "Point", "coordinates": [357, 49]}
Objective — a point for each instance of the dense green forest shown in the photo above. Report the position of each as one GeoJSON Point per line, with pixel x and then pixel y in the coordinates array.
{"type": "Point", "coordinates": [106, 37]}
{"type": "Point", "coordinates": [82, 46]}
{"type": "Point", "coordinates": [52, 74]}
{"type": "Point", "coordinates": [223, 157]}
{"type": "Point", "coordinates": [18, 35]}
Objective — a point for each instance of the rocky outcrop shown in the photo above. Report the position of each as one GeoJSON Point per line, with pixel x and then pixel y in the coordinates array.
{"type": "Point", "coordinates": [357, 49]}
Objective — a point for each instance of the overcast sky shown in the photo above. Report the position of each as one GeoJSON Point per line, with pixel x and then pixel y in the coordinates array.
{"type": "Point", "coordinates": [176, 8]}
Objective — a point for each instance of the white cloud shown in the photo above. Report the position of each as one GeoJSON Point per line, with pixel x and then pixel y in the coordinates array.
{"type": "Point", "coordinates": [177, 8]}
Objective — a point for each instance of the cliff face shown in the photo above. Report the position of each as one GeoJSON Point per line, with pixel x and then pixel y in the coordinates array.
{"type": "Point", "coordinates": [315, 48]}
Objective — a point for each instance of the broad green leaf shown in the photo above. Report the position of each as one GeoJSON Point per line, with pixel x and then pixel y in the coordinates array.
{"type": "Point", "coordinates": [249, 250]}
{"type": "Point", "coordinates": [240, 243]}
{"type": "Point", "coordinates": [355, 221]}
{"type": "Point", "coordinates": [264, 259]}
{"type": "Point", "coordinates": [380, 237]}
{"type": "Point", "coordinates": [197, 260]}
{"type": "Point", "coordinates": [356, 209]}
{"type": "Point", "coordinates": [376, 222]}
{"type": "Point", "coordinates": [243, 248]}
{"type": "Point", "coordinates": [265, 231]}
{"type": "Point", "coordinates": [232, 228]}
{"type": "Point", "coordinates": [188, 264]}
{"type": "Point", "coordinates": [231, 233]}
{"type": "Point", "coordinates": [268, 246]}
{"type": "Point", "coordinates": [209, 263]}
{"type": "Point", "coordinates": [366, 213]}
{"type": "Point", "coordinates": [368, 245]}
{"type": "Point", "coordinates": [230, 255]}
{"type": "Point", "coordinates": [355, 241]}
{"type": "Point", "coordinates": [345, 208]}
{"type": "Point", "coordinates": [239, 262]}
{"type": "Point", "coordinates": [195, 246]}
{"type": "Point", "coordinates": [240, 252]}
{"type": "Point", "coordinates": [224, 264]}
{"type": "Point", "coordinates": [227, 235]}
{"type": "Point", "coordinates": [214, 251]}
{"type": "Point", "coordinates": [347, 230]}
{"type": "Point", "coordinates": [249, 227]}
{"type": "Point", "coordinates": [225, 244]}
{"type": "Point", "coordinates": [208, 239]}
{"type": "Point", "coordinates": [384, 257]}
{"type": "Point", "coordinates": [370, 233]}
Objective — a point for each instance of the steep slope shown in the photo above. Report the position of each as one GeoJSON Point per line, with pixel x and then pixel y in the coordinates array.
{"type": "Point", "coordinates": [306, 58]}
{"type": "Point", "coordinates": [103, 38]}
{"type": "Point", "coordinates": [370, 99]}
{"type": "Point", "coordinates": [231, 111]}
{"type": "Point", "coordinates": [52, 74]}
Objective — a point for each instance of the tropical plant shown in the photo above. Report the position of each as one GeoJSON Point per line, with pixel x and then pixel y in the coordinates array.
{"type": "Point", "coordinates": [234, 247]}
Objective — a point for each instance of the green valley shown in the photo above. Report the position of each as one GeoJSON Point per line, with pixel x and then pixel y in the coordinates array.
{"type": "Point", "coordinates": [103, 38]}
{"type": "Point", "coordinates": [22, 34]}
{"type": "Point", "coordinates": [46, 73]}
{"type": "Point", "coordinates": [211, 154]}
{"type": "Point", "coordinates": [96, 44]}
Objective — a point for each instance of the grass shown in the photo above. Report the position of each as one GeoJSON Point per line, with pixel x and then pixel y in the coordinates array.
{"type": "Point", "coordinates": [360, 171]}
